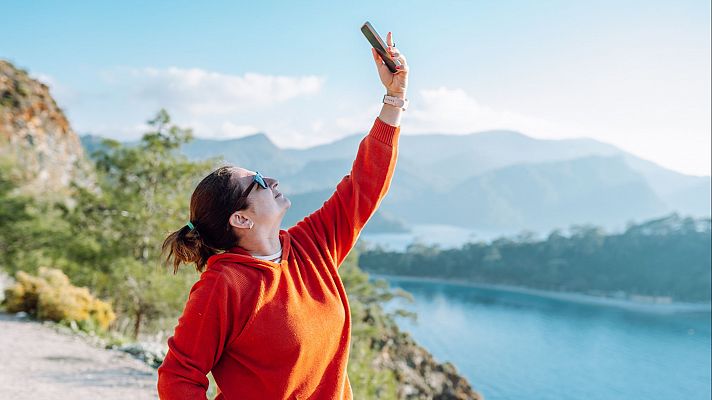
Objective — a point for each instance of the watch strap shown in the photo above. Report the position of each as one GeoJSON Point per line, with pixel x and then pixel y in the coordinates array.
{"type": "Point", "coordinates": [396, 101]}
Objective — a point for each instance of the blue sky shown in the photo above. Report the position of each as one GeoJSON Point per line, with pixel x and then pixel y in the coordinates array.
{"type": "Point", "coordinates": [635, 74]}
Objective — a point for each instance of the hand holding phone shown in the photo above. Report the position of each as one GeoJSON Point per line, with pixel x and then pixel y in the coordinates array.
{"type": "Point", "coordinates": [380, 46]}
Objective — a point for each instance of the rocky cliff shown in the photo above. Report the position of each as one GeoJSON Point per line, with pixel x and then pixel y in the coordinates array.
{"type": "Point", "coordinates": [419, 375]}
{"type": "Point", "coordinates": [36, 137]}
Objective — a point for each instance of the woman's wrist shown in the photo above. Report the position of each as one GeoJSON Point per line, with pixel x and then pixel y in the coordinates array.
{"type": "Point", "coordinates": [398, 94]}
{"type": "Point", "coordinates": [390, 114]}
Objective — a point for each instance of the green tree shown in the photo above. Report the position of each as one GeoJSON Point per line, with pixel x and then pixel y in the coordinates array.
{"type": "Point", "coordinates": [666, 257]}
{"type": "Point", "coordinates": [370, 326]}
{"type": "Point", "coordinates": [29, 227]}
{"type": "Point", "coordinates": [116, 232]}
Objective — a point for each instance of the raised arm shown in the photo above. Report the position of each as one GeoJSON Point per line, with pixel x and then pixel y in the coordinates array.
{"type": "Point", "coordinates": [335, 227]}
{"type": "Point", "coordinates": [396, 84]}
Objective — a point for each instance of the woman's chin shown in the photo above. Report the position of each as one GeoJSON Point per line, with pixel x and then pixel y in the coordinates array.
{"type": "Point", "coordinates": [282, 199]}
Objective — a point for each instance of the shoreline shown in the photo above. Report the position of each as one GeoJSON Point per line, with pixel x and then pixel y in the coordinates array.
{"type": "Point", "coordinates": [562, 296]}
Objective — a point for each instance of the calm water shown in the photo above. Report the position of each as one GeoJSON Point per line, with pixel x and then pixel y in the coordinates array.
{"type": "Point", "coordinates": [446, 236]}
{"type": "Point", "coordinates": [522, 346]}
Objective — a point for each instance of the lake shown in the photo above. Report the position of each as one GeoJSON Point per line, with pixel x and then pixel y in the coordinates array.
{"type": "Point", "coordinates": [445, 236]}
{"type": "Point", "coordinates": [517, 345]}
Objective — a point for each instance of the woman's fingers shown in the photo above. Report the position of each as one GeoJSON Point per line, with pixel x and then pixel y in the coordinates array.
{"type": "Point", "coordinates": [376, 58]}
{"type": "Point", "coordinates": [393, 52]}
{"type": "Point", "coordinates": [396, 55]}
{"type": "Point", "coordinates": [374, 53]}
{"type": "Point", "coordinates": [380, 65]}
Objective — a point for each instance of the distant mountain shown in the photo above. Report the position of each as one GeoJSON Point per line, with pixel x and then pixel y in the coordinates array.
{"type": "Point", "coordinates": [693, 198]}
{"type": "Point", "coordinates": [445, 158]}
{"type": "Point", "coordinates": [685, 193]}
{"type": "Point", "coordinates": [315, 175]}
{"type": "Point", "coordinates": [539, 196]}
{"type": "Point", "coordinates": [255, 152]}
{"type": "Point", "coordinates": [306, 203]}
{"type": "Point", "coordinates": [488, 180]}
{"type": "Point", "coordinates": [91, 143]}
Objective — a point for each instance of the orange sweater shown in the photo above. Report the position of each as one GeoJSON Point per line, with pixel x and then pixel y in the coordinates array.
{"type": "Point", "coordinates": [281, 330]}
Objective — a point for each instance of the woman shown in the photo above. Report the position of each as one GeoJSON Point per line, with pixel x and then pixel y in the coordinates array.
{"type": "Point", "coordinates": [269, 315]}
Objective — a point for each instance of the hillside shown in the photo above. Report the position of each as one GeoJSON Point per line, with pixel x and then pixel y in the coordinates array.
{"type": "Point", "coordinates": [540, 196]}
{"type": "Point", "coordinates": [660, 260]}
{"type": "Point", "coordinates": [36, 136]}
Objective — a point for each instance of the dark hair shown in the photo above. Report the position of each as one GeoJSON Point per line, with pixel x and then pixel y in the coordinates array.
{"type": "Point", "coordinates": [213, 201]}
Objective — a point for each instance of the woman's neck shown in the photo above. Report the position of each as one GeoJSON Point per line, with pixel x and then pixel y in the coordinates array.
{"type": "Point", "coordinates": [260, 244]}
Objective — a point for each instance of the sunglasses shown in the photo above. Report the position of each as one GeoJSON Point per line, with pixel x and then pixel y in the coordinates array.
{"type": "Point", "coordinates": [257, 178]}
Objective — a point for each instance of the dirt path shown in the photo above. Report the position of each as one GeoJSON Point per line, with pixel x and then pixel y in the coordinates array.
{"type": "Point", "coordinates": [36, 362]}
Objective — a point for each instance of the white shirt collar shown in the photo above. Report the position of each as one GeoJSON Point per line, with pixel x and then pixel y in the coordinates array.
{"type": "Point", "coordinates": [270, 257]}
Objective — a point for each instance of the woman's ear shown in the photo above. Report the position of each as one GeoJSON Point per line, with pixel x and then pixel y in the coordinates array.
{"type": "Point", "coordinates": [239, 220]}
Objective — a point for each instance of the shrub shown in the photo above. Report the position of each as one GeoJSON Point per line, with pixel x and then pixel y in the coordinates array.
{"type": "Point", "coordinates": [51, 296]}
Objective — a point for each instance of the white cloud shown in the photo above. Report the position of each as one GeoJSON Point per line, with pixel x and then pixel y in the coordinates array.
{"type": "Point", "coordinates": [454, 111]}
{"type": "Point", "coordinates": [447, 111]}
{"type": "Point", "coordinates": [357, 120]}
{"type": "Point", "coordinates": [213, 104]}
{"type": "Point", "coordinates": [198, 93]}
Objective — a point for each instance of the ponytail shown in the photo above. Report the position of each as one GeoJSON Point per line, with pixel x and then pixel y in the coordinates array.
{"type": "Point", "coordinates": [185, 246]}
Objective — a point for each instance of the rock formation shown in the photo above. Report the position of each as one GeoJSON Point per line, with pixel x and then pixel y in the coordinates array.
{"type": "Point", "coordinates": [36, 137]}
{"type": "Point", "coordinates": [419, 375]}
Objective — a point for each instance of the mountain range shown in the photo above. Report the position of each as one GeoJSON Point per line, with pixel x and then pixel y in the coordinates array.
{"type": "Point", "coordinates": [493, 180]}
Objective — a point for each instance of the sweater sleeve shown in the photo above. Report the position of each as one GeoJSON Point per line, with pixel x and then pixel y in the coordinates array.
{"type": "Point", "coordinates": [335, 227]}
{"type": "Point", "coordinates": [203, 330]}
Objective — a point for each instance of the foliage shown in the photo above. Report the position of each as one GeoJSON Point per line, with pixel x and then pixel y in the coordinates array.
{"type": "Point", "coordinates": [109, 239]}
{"type": "Point", "coordinates": [370, 324]}
{"type": "Point", "coordinates": [666, 257]}
{"type": "Point", "coordinates": [50, 296]}
{"type": "Point", "coordinates": [115, 233]}
{"type": "Point", "coordinates": [29, 228]}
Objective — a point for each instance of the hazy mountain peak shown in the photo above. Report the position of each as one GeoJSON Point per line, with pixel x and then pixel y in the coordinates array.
{"type": "Point", "coordinates": [500, 133]}
{"type": "Point", "coordinates": [258, 138]}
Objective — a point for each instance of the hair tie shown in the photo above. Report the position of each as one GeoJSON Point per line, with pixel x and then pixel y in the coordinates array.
{"type": "Point", "coordinates": [190, 225]}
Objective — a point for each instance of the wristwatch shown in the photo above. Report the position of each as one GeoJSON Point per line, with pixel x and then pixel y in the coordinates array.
{"type": "Point", "coordinates": [395, 101]}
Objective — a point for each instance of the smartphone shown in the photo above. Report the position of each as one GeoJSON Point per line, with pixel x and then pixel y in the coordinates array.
{"type": "Point", "coordinates": [380, 46]}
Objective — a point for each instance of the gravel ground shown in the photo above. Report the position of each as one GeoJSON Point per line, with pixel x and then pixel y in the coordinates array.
{"type": "Point", "coordinates": [37, 362]}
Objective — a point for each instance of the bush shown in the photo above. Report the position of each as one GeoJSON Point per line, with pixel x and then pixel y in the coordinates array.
{"type": "Point", "coordinates": [51, 296]}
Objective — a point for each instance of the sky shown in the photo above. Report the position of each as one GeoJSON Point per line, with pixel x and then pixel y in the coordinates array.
{"type": "Point", "coordinates": [635, 74]}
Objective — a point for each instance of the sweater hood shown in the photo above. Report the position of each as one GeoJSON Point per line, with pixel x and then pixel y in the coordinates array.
{"type": "Point", "coordinates": [238, 255]}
